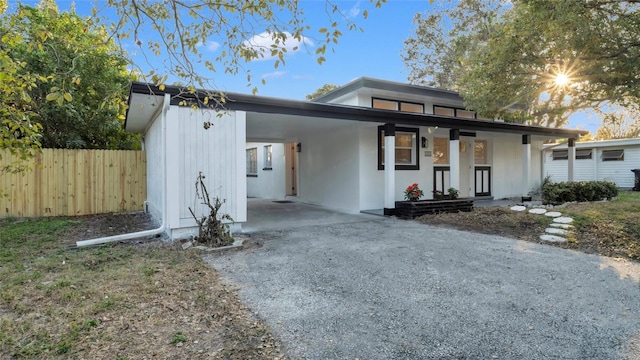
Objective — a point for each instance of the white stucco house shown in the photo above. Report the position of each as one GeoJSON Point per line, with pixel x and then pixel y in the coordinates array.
{"type": "Point", "coordinates": [354, 149]}
{"type": "Point", "coordinates": [610, 160]}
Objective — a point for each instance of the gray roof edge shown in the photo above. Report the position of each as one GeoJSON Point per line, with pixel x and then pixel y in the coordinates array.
{"type": "Point", "coordinates": [598, 143]}
{"type": "Point", "coordinates": [372, 83]}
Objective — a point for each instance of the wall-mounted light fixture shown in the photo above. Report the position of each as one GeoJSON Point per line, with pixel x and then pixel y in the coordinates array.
{"type": "Point", "coordinates": [425, 142]}
{"type": "Point", "coordinates": [298, 147]}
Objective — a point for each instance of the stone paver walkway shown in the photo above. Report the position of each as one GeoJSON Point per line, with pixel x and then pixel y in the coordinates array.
{"type": "Point", "coordinates": [558, 231]}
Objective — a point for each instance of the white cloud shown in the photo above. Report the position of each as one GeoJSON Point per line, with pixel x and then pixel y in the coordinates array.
{"type": "Point", "coordinates": [354, 11]}
{"type": "Point", "coordinates": [273, 75]}
{"type": "Point", "coordinates": [262, 43]}
{"type": "Point", "coordinates": [210, 45]}
{"type": "Point", "coordinates": [213, 45]}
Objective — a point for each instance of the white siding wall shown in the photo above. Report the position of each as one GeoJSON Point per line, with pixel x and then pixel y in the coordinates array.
{"type": "Point", "coordinates": [219, 153]}
{"type": "Point", "coordinates": [328, 169]}
{"type": "Point", "coordinates": [372, 183]}
{"type": "Point", "coordinates": [506, 177]}
{"type": "Point", "coordinates": [154, 147]}
{"type": "Point", "coordinates": [618, 172]}
{"type": "Point", "coordinates": [270, 184]}
{"type": "Point", "coordinates": [558, 170]}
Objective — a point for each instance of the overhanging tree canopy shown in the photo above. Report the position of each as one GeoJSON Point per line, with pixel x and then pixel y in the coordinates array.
{"type": "Point", "coordinates": [173, 30]}
{"type": "Point", "coordinates": [511, 70]}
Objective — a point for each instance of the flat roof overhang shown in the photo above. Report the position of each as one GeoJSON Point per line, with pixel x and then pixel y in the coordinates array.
{"type": "Point", "coordinates": [138, 117]}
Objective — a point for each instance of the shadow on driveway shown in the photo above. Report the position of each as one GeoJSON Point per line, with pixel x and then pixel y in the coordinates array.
{"type": "Point", "coordinates": [380, 288]}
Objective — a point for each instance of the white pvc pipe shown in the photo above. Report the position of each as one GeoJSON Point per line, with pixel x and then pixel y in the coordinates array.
{"type": "Point", "coordinates": [103, 240]}
{"type": "Point", "coordinates": [108, 239]}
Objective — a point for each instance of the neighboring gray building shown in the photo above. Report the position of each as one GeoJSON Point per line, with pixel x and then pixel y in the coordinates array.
{"type": "Point", "coordinates": [610, 160]}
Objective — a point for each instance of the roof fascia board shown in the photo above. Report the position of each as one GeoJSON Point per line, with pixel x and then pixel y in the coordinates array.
{"type": "Point", "coordinates": [260, 104]}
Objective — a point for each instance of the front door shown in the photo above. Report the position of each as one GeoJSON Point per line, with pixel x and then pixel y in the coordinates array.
{"type": "Point", "coordinates": [291, 164]}
{"type": "Point", "coordinates": [483, 181]}
{"type": "Point", "coordinates": [441, 179]}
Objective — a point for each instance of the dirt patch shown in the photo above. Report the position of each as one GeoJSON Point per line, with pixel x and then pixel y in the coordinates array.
{"type": "Point", "coordinates": [493, 220]}
{"type": "Point", "coordinates": [94, 226]}
{"type": "Point", "coordinates": [607, 228]}
{"type": "Point", "coordinates": [139, 299]}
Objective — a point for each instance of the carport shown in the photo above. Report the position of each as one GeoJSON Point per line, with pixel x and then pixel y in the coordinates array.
{"type": "Point", "coordinates": [268, 215]}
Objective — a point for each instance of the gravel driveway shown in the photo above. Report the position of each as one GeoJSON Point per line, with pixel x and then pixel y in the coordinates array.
{"type": "Point", "coordinates": [390, 289]}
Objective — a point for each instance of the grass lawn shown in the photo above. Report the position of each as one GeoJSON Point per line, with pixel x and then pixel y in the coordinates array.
{"type": "Point", "coordinates": [116, 302]}
{"type": "Point", "coordinates": [610, 228]}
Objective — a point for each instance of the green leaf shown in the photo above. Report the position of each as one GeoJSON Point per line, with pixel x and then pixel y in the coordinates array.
{"type": "Point", "coordinates": [53, 96]}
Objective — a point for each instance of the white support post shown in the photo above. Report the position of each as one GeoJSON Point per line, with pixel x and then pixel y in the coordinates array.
{"type": "Point", "coordinates": [572, 159]}
{"type": "Point", "coordinates": [454, 159]}
{"type": "Point", "coordinates": [389, 169]}
{"type": "Point", "coordinates": [526, 164]}
{"type": "Point", "coordinates": [172, 163]}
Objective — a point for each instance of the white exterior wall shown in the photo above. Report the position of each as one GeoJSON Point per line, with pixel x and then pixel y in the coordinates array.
{"type": "Point", "coordinates": [618, 172]}
{"type": "Point", "coordinates": [372, 183]}
{"type": "Point", "coordinates": [269, 184]}
{"type": "Point", "coordinates": [328, 169]}
{"type": "Point", "coordinates": [584, 169]}
{"type": "Point", "coordinates": [219, 153]}
{"type": "Point", "coordinates": [154, 148]}
{"type": "Point", "coordinates": [506, 174]}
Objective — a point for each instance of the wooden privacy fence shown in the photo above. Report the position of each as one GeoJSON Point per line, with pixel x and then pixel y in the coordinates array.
{"type": "Point", "coordinates": [74, 182]}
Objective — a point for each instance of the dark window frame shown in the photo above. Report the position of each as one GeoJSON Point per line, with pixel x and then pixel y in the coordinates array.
{"type": "Point", "coordinates": [455, 111]}
{"type": "Point", "coordinates": [399, 104]}
{"type": "Point", "coordinates": [416, 131]}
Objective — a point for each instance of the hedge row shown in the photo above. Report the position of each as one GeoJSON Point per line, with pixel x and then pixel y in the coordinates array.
{"type": "Point", "coordinates": [580, 191]}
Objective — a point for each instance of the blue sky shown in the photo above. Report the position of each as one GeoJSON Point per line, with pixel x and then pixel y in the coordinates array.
{"type": "Point", "coordinates": [375, 52]}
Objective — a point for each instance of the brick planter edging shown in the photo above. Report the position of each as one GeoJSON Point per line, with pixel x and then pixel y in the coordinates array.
{"type": "Point", "coordinates": [412, 209]}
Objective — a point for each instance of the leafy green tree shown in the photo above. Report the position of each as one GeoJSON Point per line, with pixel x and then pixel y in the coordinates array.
{"type": "Point", "coordinates": [321, 91]}
{"type": "Point", "coordinates": [242, 31]}
{"type": "Point", "coordinates": [619, 123]}
{"type": "Point", "coordinates": [444, 35]}
{"type": "Point", "coordinates": [19, 134]}
{"type": "Point", "coordinates": [544, 59]}
{"type": "Point", "coordinates": [79, 96]}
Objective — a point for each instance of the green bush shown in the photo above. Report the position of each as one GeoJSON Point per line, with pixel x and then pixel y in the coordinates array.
{"type": "Point", "coordinates": [580, 191]}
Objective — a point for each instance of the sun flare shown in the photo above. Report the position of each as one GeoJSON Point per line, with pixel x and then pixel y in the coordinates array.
{"type": "Point", "coordinates": [561, 79]}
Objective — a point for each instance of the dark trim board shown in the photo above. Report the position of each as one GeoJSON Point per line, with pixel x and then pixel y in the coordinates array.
{"type": "Point", "coordinates": [260, 104]}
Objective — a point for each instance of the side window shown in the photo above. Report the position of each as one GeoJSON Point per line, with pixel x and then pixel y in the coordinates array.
{"type": "Point", "coordinates": [268, 157]}
{"type": "Point", "coordinates": [252, 162]}
{"type": "Point", "coordinates": [612, 155]}
{"type": "Point", "coordinates": [560, 155]}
